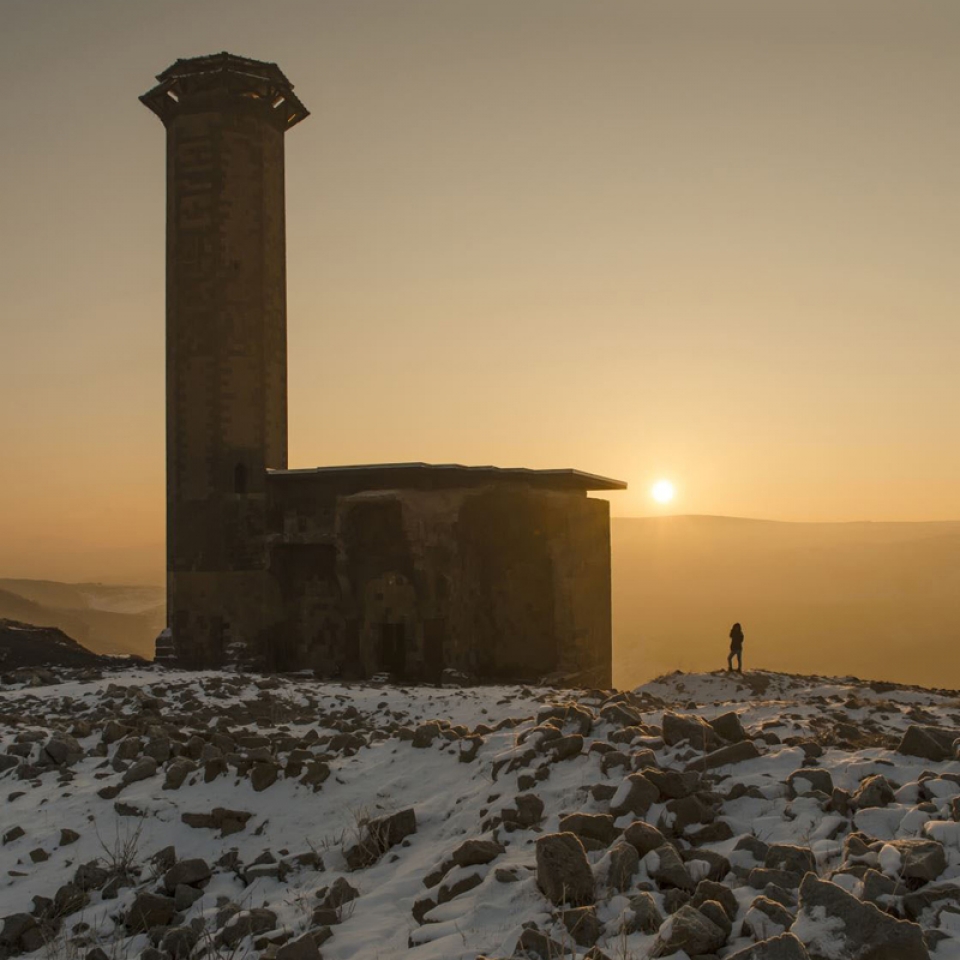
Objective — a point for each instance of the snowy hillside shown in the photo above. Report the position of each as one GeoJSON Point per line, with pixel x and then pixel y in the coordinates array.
{"type": "Point", "coordinates": [163, 814]}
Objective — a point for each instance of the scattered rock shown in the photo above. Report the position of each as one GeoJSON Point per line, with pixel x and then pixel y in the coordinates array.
{"type": "Point", "coordinates": [688, 930]}
{"type": "Point", "coordinates": [302, 948]}
{"type": "Point", "coordinates": [647, 917]}
{"type": "Point", "coordinates": [178, 942]}
{"type": "Point", "coordinates": [149, 910]}
{"type": "Point", "coordinates": [14, 833]}
{"type": "Point", "coordinates": [679, 728]}
{"type": "Point", "coordinates": [832, 923]}
{"type": "Point", "coordinates": [245, 924]}
{"type": "Point", "coordinates": [726, 756]}
{"type": "Point", "coordinates": [784, 947]}
{"type": "Point", "coordinates": [380, 835]}
{"type": "Point", "coordinates": [729, 727]}
{"type": "Point", "coordinates": [533, 943]}
{"type": "Point", "coordinates": [636, 795]}
{"type": "Point", "coordinates": [624, 862]}
{"type": "Point", "coordinates": [873, 791]}
{"type": "Point", "coordinates": [582, 924]}
{"type": "Point", "coordinates": [191, 873]}
{"type": "Point", "coordinates": [810, 778]}
{"type": "Point", "coordinates": [792, 859]}
{"type": "Point", "coordinates": [473, 852]}
{"type": "Point", "coordinates": [563, 871]}
{"type": "Point", "coordinates": [930, 743]}
{"type": "Point", "coordinates": [143, 769]}
{"type": "Point", "coordinates": [666, 867]}
{"type": "Point", "coordinates": [62, 750]}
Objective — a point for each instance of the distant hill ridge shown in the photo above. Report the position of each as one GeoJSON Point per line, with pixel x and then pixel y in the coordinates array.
{"type": "Point", "coordinates": [106, 618]}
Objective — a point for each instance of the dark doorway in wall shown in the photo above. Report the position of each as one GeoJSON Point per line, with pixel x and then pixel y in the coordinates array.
{"type": "Point", "coordinates": [433, 631]}
{"type": "Point", "coordinates": [393, 652]}
{"type": "Point", "coordinates": [240, 479]}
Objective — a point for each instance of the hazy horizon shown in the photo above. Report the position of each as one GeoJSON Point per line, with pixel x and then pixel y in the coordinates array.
{"type": "Point", "coordinates": [874, 600]}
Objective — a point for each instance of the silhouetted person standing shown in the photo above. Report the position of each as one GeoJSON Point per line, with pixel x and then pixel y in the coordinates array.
{"type": "Point", "coordinates": [736, 648]}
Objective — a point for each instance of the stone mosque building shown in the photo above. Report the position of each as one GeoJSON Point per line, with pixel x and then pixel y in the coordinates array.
{"type": "Point", "coordinates": [404, 568]}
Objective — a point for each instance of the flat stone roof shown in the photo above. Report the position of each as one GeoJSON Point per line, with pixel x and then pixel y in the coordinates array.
{"type": "Point", "coordinates": [433, 476]}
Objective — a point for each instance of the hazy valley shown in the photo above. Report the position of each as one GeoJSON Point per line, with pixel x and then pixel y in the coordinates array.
{"type": "Point", "coordinates": [867, 599]}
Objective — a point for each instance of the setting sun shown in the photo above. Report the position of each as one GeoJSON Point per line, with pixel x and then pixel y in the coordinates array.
{"type": "Point", "coordinates": [662, 491]}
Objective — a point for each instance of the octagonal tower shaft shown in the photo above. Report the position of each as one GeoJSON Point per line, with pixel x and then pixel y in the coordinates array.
{"type": "Point", "coordinates": [226, 362]}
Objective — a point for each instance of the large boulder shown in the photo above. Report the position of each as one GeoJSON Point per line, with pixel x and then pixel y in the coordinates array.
{"type": "Point", "coordinates": [873, 791]}
{"type": "Point", "coordinates": [192, 873]}
{"type": "Point", "coordinates": [258, 920]}
{"type": "Point", "coordinates": [688, 930]}
{"type": "Point", "coordinates": [647, 917]}
{"type": "Point", "coordinates": [378, 836]}
{"type": "Point", "coordinates": [177, 773]}
{"type": "Point", "coordinates": [591, 826]}
{"type": "Point", "coordinates": [810, 778]}
{"type": "Point", "coordinates": [563, 871]}
{"type": "Point", "coordinates": [643, 837]}
{"type": "Point", "coordinates": [149, 910]}
{"type": "Point", "coordinates": [689, 811]}
{"type": "Point", "coordinates": [665, 866]}
{"type": "Point", "coordinates": [303, 948]}
{"type": "Point", "coordinates": [729, 727]}
{"type": "Point", "coordinates": [534, 943]}
{"type": "Point", "coordinates": [833, 924]}
{"type": "Point", "coordinates": [526, 812]}
{"type": "Point", "coordinates": [341, 891]}
{"type": "Point", "coordinates": [264, 774]}
{"type": "Point", "coordinates": [62, 750]}
{"type": "Point", "coordinates": [710, 890]}
{"type": "Point", "coordinates": [792, 859]}
{"type": "Point", "coordinates": [919, 859]}
{"type": "Point", "coordinates": [636, 795]}
{"type": "Point", "coordinates": [933, 895]}
{"type": "Point", "coordinates": [672, 784]}
{"type": "Point", "coordinates": [582, 924]}
{"type": "Point", "coordinates": [624, 861]}
{"type": "Point", "coordinates": [24, 934]}
{"type": "Point", "coordinates": [475, 852]}
{"type": "Point", "coordinates": [784, 947]}
{"type": "Point", "coordinates": [425, 734]}
{"type": "Point", "coordinates": [679, 728]}
{"type": "Point", "coordinates": [621, 715]}
{"type": "Point", "coordinates": [930, 743]}
{"type": "Point", "coordinates": [143, 769]}
{"type": "Point", "coordinates": [178, 942]}
{"type": "Point", "coordinates": [726, 756]}
{"type": "Point", "coordinates": [766, 918]}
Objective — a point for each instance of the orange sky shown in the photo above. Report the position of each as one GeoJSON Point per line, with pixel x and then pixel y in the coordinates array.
{"type": "Point", "coordinates": [715, 242]}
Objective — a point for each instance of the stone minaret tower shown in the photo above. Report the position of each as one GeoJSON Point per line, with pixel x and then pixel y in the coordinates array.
{"type": "Point", "coordinates": [225, 117]}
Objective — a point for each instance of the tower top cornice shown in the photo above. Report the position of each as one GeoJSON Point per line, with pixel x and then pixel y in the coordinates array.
{"type": "Point", "coordinates": [222, 78]}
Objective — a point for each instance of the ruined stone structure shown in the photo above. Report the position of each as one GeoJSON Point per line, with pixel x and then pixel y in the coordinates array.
{"type": "Point", "coordinates": [351, 571]}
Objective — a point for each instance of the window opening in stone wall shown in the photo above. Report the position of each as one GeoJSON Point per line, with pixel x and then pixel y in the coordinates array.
{"type": "Point", "coordinates": [240, 478]}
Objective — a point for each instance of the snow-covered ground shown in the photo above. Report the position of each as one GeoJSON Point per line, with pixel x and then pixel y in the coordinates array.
{"type": "Point", "coordinates": [310, 783]}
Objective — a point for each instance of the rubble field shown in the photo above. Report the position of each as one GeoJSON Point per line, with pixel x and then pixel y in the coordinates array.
{"type": "Point", "coordinates": [162, 814]}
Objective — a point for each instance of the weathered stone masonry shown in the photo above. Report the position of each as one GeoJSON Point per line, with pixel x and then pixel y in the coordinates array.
{"type": "Point", "coordinates": [404, 568]}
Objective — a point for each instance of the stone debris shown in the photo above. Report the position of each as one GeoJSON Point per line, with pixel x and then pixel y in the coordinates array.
{"type": "Point", "coordinates": [563, 871]}
{"type": "Point", "coordinates": [719, 817]}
